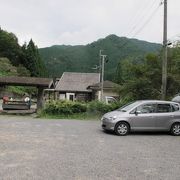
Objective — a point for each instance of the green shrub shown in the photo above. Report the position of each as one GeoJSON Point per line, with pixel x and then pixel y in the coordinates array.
{"type": "Point", "coordinates": [101, 107]}
{"type": "Point", "coordinates": [64, 107]}
{"type": "Point", "coordinates": [79, 107]}
{"type": "Point", "coordinates": [98, 107]}
{"type": "Point", "coordinates": [71, 108]}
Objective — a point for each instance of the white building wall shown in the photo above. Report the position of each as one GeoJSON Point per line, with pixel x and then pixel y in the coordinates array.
{"type": "Point", "coordinates": [106, 93]}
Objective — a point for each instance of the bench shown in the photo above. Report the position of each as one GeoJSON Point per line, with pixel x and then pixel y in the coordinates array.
{"type": "Point", "coordinates": [16, 105]}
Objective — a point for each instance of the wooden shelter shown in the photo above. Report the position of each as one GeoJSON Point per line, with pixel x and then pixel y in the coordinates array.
{"type": "Point", "coordinates": [39, 83]}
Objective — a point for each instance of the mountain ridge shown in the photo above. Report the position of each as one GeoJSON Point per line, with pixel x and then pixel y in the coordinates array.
{"type": "Point", "coordinates": [82, 58]}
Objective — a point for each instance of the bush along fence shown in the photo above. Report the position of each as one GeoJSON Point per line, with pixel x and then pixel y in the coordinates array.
{"type": "Point", "coordinates": [73, 107]}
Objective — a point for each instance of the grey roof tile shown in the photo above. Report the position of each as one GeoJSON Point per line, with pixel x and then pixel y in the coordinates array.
{"type": "Point", "coordinates": [72, 81]}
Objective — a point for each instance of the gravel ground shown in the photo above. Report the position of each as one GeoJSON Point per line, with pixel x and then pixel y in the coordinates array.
{"type": "Point", "coordinates": [70, 149]}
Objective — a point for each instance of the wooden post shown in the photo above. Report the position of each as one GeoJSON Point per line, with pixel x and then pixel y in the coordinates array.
{"type": "Point", "coordinates": [40, 98]}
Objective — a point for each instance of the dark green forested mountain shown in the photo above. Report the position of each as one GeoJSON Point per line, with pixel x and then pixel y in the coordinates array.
{"type": "Point", "coordinates": [60, 58]}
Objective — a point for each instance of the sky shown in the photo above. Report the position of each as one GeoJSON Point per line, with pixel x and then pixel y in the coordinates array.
{"type": "Point", "coordinates": [79, 22]}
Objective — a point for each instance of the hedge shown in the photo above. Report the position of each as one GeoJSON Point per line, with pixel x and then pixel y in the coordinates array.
{"type": "Point", "coordinates": [71, 107]}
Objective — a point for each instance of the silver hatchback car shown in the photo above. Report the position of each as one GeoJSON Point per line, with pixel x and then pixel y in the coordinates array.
{"type": "Point", "coordinates": [145, 115]}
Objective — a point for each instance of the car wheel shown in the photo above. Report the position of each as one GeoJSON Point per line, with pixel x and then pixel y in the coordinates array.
{"type": "Point", "coordinates": [122, 129]}
{"type": "Point", "coordinates": [175, 129]}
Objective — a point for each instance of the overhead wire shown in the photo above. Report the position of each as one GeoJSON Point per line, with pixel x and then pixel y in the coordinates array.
{"type": "Point", "coordinates": [144, 24]}
{"type": "Point", "coordinates": [138, 13]}
{"type": "Point", "coordinates": [147, 21]}
{"type": "Point", "coordinates": [143, 16]}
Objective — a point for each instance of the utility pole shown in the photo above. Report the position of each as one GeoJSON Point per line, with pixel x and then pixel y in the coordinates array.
{"type": "Point", "coordinates": [164, 61]}
{"type": "Point", "coordinates": [100, 53]}
{"type": "Point", "coordinates": [102, 60]}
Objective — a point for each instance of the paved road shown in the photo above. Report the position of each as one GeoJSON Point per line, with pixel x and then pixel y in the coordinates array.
{"type": "Point", "coordinates": [65, 149]}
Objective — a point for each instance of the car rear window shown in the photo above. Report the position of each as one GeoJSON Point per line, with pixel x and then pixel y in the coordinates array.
{"type": "Point", "coordinates": [175, 107]}
{"type": "Point", "coordinates": [164, 108]}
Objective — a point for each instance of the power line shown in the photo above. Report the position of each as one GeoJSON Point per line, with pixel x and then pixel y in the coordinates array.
{"type": "Point", "coordinates": [138, 13]}
{"type": "Point", "coordinates": [148, 20]}
{"type": "Point", "coordinates": [143, 16]}
{"type": "Point", "coordinates": [145, 23]}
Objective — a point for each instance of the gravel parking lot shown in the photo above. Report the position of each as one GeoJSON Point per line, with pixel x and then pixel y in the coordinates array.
{"type": "Point", "coordinates": [33, 148]}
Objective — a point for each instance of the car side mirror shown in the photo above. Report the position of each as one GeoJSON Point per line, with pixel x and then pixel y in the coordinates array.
{"type": "Point", "coordinates": [137, 112]}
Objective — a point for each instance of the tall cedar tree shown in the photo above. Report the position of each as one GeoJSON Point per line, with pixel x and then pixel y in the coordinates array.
{"type": "Point", "coordinates": [33, 60]}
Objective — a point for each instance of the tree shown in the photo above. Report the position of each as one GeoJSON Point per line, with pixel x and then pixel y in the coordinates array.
{"type": "Point", "coordinates": [9, 47]}
{"type": "Point", "coordinates": [27, 55]}
{"type": "Point", "coordinates": [143, 80]}
{"type": "Point", "coordinates": [33, 60]}
{"type": "Point", "coordinates": [140, 80]}
{"type": "Point", "coordinates": [173, 79]}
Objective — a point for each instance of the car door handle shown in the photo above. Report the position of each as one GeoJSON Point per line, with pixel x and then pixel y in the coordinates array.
{"type": "Point", "coordinates": [171, 115]}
